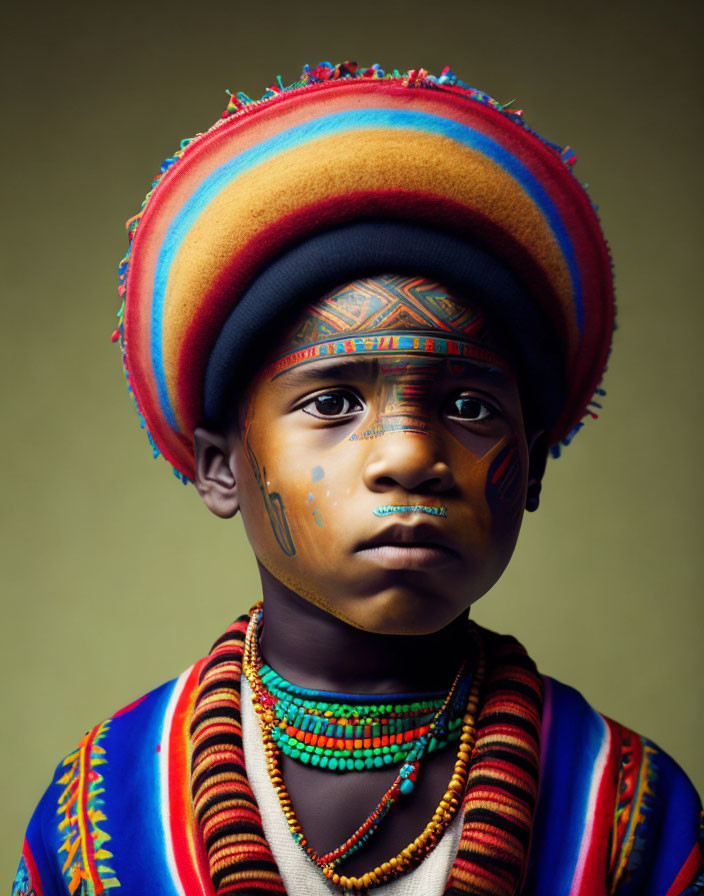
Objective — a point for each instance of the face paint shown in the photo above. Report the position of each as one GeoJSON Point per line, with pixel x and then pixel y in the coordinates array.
{"type": "Point", "coordinates": [389, 345]}
{"type": "Point", "coordinates": [273, 502]}
{"type": "Point", "coordinates": [503, 484]}
{"type": "Point", "coordinates": [389, 509]}
{"type": "Point", "coordinates": [405, 304]}
{"type": "Point", "coordinates": [403, 383]}
{"type": "Point", "coordinates": [274, 506]}
{"type": "Point", "coordinates": [366, 317]}
{"type": "Point", "coordinates": [388, 420]}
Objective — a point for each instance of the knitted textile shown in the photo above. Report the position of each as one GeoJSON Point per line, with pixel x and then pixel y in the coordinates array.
{"type": "Point", "coordinates": [615, 816]}
{"type": "Point", "coordinates": [498, 806]}
{"type": "Point", "coordinates": [225, 808]}
{"type": "Point", "coordinates": [345, 145]}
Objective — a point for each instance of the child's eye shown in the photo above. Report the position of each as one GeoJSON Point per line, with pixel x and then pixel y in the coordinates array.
{"type": "Point", "coordinates": [339, 403]}
{"type": "Point", "coordinates": [468, 407]}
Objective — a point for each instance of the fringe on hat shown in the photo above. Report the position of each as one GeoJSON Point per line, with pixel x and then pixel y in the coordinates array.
{"type": "Point", "coordinates": [240, 103]}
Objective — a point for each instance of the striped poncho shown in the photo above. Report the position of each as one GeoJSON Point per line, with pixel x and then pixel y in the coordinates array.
{"type": "Point", "coordinates": [604, 811]}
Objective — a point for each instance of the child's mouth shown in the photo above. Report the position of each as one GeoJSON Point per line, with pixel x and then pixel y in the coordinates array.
{"type": "Point", "coordinates": [409, 556]}
{"type": "Point", "coordinates": [420, 546]}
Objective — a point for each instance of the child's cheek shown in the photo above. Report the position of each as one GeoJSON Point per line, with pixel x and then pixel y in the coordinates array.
{"type": "Point", "coordinates": [316, 514]}
{"type": "Point", "coordinates": [312, 511]}
{"type": "Point", "coordinates": [274, 504]}
{"type": "Point", "coordinates": [505, 484]}
{"type": "Point", "coordinates": [289, 502]}
{"type": "Point", "coordinates": [263, 492]}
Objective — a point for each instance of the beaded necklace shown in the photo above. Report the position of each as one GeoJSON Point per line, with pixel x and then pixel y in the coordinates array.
{"type": "Point", "coordinates": [312, 727]}
{"type": "Point", "coordinates": [317, 728]}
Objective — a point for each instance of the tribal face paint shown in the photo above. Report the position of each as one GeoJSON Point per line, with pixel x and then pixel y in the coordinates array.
{"type": "Point", "coordinates": [391, 509]}
{"type": "Point", "coordinates": [382, 457]}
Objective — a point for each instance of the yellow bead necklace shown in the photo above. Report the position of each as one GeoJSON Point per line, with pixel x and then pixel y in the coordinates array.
{"type": "Point", "coordinates": [411, 855]}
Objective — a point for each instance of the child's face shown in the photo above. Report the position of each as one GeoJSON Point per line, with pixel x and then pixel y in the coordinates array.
{"type": "Point", "coordinates": [384, 485]}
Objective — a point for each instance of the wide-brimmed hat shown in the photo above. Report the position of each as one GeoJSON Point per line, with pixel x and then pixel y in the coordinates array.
{"type": "Point", "coordinates": [347, 173]}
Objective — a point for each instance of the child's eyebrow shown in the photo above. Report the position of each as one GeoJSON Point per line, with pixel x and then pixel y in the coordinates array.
{"type": "Point", "coordinates": [367, 369]}
{"type": "Point", "coordinates": [352, 368]}
{"type": "Point", "coordinates": [475, 369]}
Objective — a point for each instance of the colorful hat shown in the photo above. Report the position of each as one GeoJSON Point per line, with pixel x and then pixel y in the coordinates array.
{"type": "Point", "coordinates": [348, 173]}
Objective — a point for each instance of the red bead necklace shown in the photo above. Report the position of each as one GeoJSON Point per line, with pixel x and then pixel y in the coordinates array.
{"type": "Point", "coordinates": [410, 856]}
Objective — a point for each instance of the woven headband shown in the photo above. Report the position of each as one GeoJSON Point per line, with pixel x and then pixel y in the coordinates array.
{"type": "Point", "coordinates": [493, 211]}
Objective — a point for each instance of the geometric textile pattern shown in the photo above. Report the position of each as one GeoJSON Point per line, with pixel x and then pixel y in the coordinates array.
{"type": "Point", "coordinates": [80, 806]}
{"type": "Point", "coordinates": [612, 811]}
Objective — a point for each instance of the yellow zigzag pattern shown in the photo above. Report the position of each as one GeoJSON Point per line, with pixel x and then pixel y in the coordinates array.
{"type": "Point", "coordinates": [85, 870]}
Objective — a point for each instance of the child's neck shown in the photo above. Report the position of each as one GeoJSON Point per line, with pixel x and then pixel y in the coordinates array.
{"type": "Point", "coordinates": [312, 648]}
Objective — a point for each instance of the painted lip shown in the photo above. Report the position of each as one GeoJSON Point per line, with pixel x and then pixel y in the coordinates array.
{"type": "Point", "coordinates": [429, 509]}
{"type": "Point", "coordinates": [409, 546]}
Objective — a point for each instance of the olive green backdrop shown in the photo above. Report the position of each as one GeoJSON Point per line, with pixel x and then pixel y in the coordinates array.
{"type": "Point", "coordinates": [115, 577]}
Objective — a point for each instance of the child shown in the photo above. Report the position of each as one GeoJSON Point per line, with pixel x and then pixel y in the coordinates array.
{"type": "Point", "coordinates": [361, 312]}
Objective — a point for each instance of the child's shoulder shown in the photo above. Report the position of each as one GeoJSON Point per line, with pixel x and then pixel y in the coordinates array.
{"type": "Point", "coordinates": [609, 792]}
{"type": "Point", "coordinates": [610, 801]}
{"type": "Point", "coordinates": [577, 736]}
{"type": "Point", "coordinates": [117, 811]}
{"type": "Point", "coordinates": [147, 729]}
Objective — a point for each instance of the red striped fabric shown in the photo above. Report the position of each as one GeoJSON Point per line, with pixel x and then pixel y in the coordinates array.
{"type": "Point", "coordinates": [498, 806]}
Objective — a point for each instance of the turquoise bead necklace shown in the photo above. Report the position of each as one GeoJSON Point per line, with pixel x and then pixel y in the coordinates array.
{"type": "Point", "coordinates": [343, 732]}
{"type": "Point", "coordinates": [348, 733]}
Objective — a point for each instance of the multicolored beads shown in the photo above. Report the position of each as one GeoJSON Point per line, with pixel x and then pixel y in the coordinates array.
{"type": "Point", "coordinates": [347, 733]}
{"type": "Point", "coordinates": [314, 727]}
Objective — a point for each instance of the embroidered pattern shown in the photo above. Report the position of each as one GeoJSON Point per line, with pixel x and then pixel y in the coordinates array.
{"type": "Point", "coordinates": [636, 802]}
{"type": "Point", "coordinates": [22, 884]}
{"type": "Point", "coordinates": [80, 805]}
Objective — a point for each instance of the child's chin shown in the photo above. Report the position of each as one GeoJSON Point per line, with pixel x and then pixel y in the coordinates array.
{"type": "Point", "coordinates": [399, 612]}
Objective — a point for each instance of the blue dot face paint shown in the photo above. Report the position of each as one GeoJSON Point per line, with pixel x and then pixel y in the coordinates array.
{"type": "Point", "coordinates": [390, 509]}
{"type": "Point", "coordinates": [384, 435]}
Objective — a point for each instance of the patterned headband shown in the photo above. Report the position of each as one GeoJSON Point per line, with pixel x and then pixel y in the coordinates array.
{"type": "Point", "coordinates": [339, 147]}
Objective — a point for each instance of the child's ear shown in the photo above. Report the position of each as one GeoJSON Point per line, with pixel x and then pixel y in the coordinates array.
{"type": "Point", "coordinates": [215, 478]}
{"type": "Point", "coordinates": [537, 458]}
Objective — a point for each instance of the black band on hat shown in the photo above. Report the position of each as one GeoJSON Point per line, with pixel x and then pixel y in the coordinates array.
{"type": "Point", "coordinates": [306, 272]}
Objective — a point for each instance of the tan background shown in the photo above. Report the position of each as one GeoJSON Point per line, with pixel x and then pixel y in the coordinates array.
{"type": "Point", "coordinates": [115, 577]}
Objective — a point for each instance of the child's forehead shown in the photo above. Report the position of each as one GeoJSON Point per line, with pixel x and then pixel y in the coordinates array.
{"type": "Point", "coordinates": [387, 310]}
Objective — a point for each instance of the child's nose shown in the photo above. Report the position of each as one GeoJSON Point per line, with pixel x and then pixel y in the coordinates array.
{"type": "Point", "coordinates": [410, 460]}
